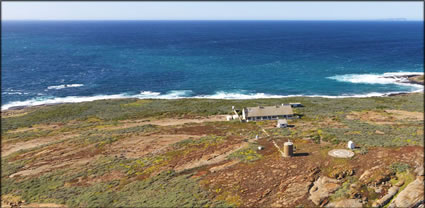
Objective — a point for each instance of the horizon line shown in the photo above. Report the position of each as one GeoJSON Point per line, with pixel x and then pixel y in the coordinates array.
{"type": "Point", "coordinates": [383, 20]}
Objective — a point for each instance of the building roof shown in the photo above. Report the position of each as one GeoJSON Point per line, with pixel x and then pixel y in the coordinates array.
{"type": "Point", "coordinates": [269, 111]}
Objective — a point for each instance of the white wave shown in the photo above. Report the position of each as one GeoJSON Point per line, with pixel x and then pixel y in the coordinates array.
{"type": "Point", "coordinates": [14, 93]}
{"type": "Point", "coordinates": [58, 87]}
{"type": "Point", "coordinates": [174, 94]}
{"type": "Point", "coordinates": [56, 100]}
{"type": "Point", "coordinates": [236, 95]}
{"type": "Point", "coordinates": [149, 93]}
{"type": "Point", "coordinates": [241, 96]}
{"type": "Point", "coordinates": [402, 73]}
{"type": "Point", "coordinates": [385, 78]}
{"type": "Point", "coordinates": [178, 94]}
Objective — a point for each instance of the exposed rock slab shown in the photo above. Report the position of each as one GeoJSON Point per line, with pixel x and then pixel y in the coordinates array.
{"type": "Point", "coordinates": [293, 193]}
{"type": "Point", "coordinates": [352, 203]}
{"type": "Point", "coordinates": [322, 188]}
{"type": "Point", "coordinates": [419, 170]}
{"type": "Point", "coordinates": [411, 196]}
{"type": "Point", "coordinates": [385, 199]}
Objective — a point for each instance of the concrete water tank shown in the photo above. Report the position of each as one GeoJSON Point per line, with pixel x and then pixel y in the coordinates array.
{"type": "Point", "coordinates": [288, 149]}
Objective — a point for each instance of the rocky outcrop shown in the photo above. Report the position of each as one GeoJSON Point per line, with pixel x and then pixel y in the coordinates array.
{"type": "Point", "coordinates": [352, 203]}
{"type": "Point", "coordinates": [340, 173]}
{"type": "Point", "coordinates": [376, 176]}
{"type": "Point", "coordinates": [387, 198]}
{"type": "Point", "coordinates": [322, 188]}
{"type": "Point", "coordinates": [411, 196]}
{"type": "Point", "coordinates": [419, 170]}
{"type": "Point", "coordinates": [411, 79]}
{"type": "Point", "coordinates": [417, 79]}
{"type": "Point", "coordinates": [292, 193]}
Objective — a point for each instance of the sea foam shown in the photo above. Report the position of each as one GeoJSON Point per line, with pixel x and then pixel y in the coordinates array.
{"type": "Point", "coordinates": [58, 87]}
{"type": "Point", "coordinates": [178, 94]}
{"type": "Point", "coordinates": [48, 100]}
{"type": "Point", "coordinates": [54, 100]}
{"type": "Point", "coordinates": [385, 78]}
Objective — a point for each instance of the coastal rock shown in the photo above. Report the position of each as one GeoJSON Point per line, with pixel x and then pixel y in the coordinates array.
{"type": "Point", "coordinates": [416, 79]}
{"type": "Point", "coordinates": [379, 132]}
{"type": "Point", "coordinates": [410, 79]}
{"type": "Point", "coordinates": [341, 172]}
{"type": "Point", "coordinates": [352, 203]}
{"type": "Point", "coordinates": [322, 188]}
{"type": "Point", "coordinates": [399, 184]}
{"type": "Point", "coordinates": [419, 171]}
{"type": "Point", "coordinates": [376, 176]}
{"type": "Point", "coordinates": [385, 199]}
{"type": "Point", "coordinates": [364, 175]}
{"type": "Point", "coordinates": [293, 193]}
{"type": "Point", "coordinates": [411, 196]}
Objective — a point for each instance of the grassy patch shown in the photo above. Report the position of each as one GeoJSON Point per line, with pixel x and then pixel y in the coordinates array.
{"type": "Point", "coordinates": [203, 141]}
{"type": "Point", "coordinates": [23, 136]}
{"type": "Point", "coordinates": [121, 109]}
{"type": "Point", "coordinates": [102, 137]}
{"type": "Point", "coordinates": [405, 176]}
{"type": "Point", "coordinates": [248, 154]}
{"type": "Point", "coordinates": [164, 190]}
{"type": "Point", "coordinates": [399, 167]}
{"type": "Point", "coordinates": [344, 191]}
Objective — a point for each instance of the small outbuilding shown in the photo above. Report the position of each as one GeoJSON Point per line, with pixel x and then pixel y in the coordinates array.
{"type": "Point", "coordinates": [282, 123]}
{"type": "Point", "coordinates": [294, 105]}
{"type": "Point", "coordinates": [229, 118]}
{"type": "Point", "coordinates": [351, 145]}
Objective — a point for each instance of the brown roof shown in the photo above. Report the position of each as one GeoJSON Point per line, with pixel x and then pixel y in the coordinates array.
{"type": "Point", "coordinates": [269, 111]}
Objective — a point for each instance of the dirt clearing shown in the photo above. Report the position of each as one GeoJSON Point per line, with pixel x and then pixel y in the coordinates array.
{"type": "Point", "coordinates": [387, 117]}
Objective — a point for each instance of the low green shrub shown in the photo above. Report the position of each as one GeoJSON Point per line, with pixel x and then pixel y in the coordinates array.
{"type": "Point", "coordinates": [248, 154]}
{"type": "Point", "coordinates": [399, 167]}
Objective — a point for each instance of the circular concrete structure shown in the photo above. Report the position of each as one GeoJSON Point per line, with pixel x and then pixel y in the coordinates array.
{"type": "Point", "coordinates": [341, 153]}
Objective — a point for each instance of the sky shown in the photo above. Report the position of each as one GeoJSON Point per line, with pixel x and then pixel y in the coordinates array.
{"type": "Point", "coordinates": [211, 10]}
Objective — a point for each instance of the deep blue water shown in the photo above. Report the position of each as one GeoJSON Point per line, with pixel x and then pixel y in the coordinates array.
{"type": "Point", "coordinates": [214, 59]}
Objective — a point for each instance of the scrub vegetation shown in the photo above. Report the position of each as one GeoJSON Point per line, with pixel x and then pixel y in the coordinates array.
{"type": "Point", "coordinates": [181, 153]}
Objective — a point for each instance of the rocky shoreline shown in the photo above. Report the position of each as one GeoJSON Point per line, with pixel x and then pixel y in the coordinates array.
{"type": "Point", "coordinates": [408, 79]}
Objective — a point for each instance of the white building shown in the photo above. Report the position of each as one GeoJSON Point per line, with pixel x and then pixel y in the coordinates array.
{"type": "Point", "coordinates": [282, 123]}
{"type": "Point", "coordinates": [267, 113]}
{"type": "Point", "coordinates": [294, 105]}
{"type": "Point", "coordinates": [351, 145]}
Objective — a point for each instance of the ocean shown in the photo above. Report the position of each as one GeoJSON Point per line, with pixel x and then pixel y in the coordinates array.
{"type": "Point", "coordinates": [45, 62]}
